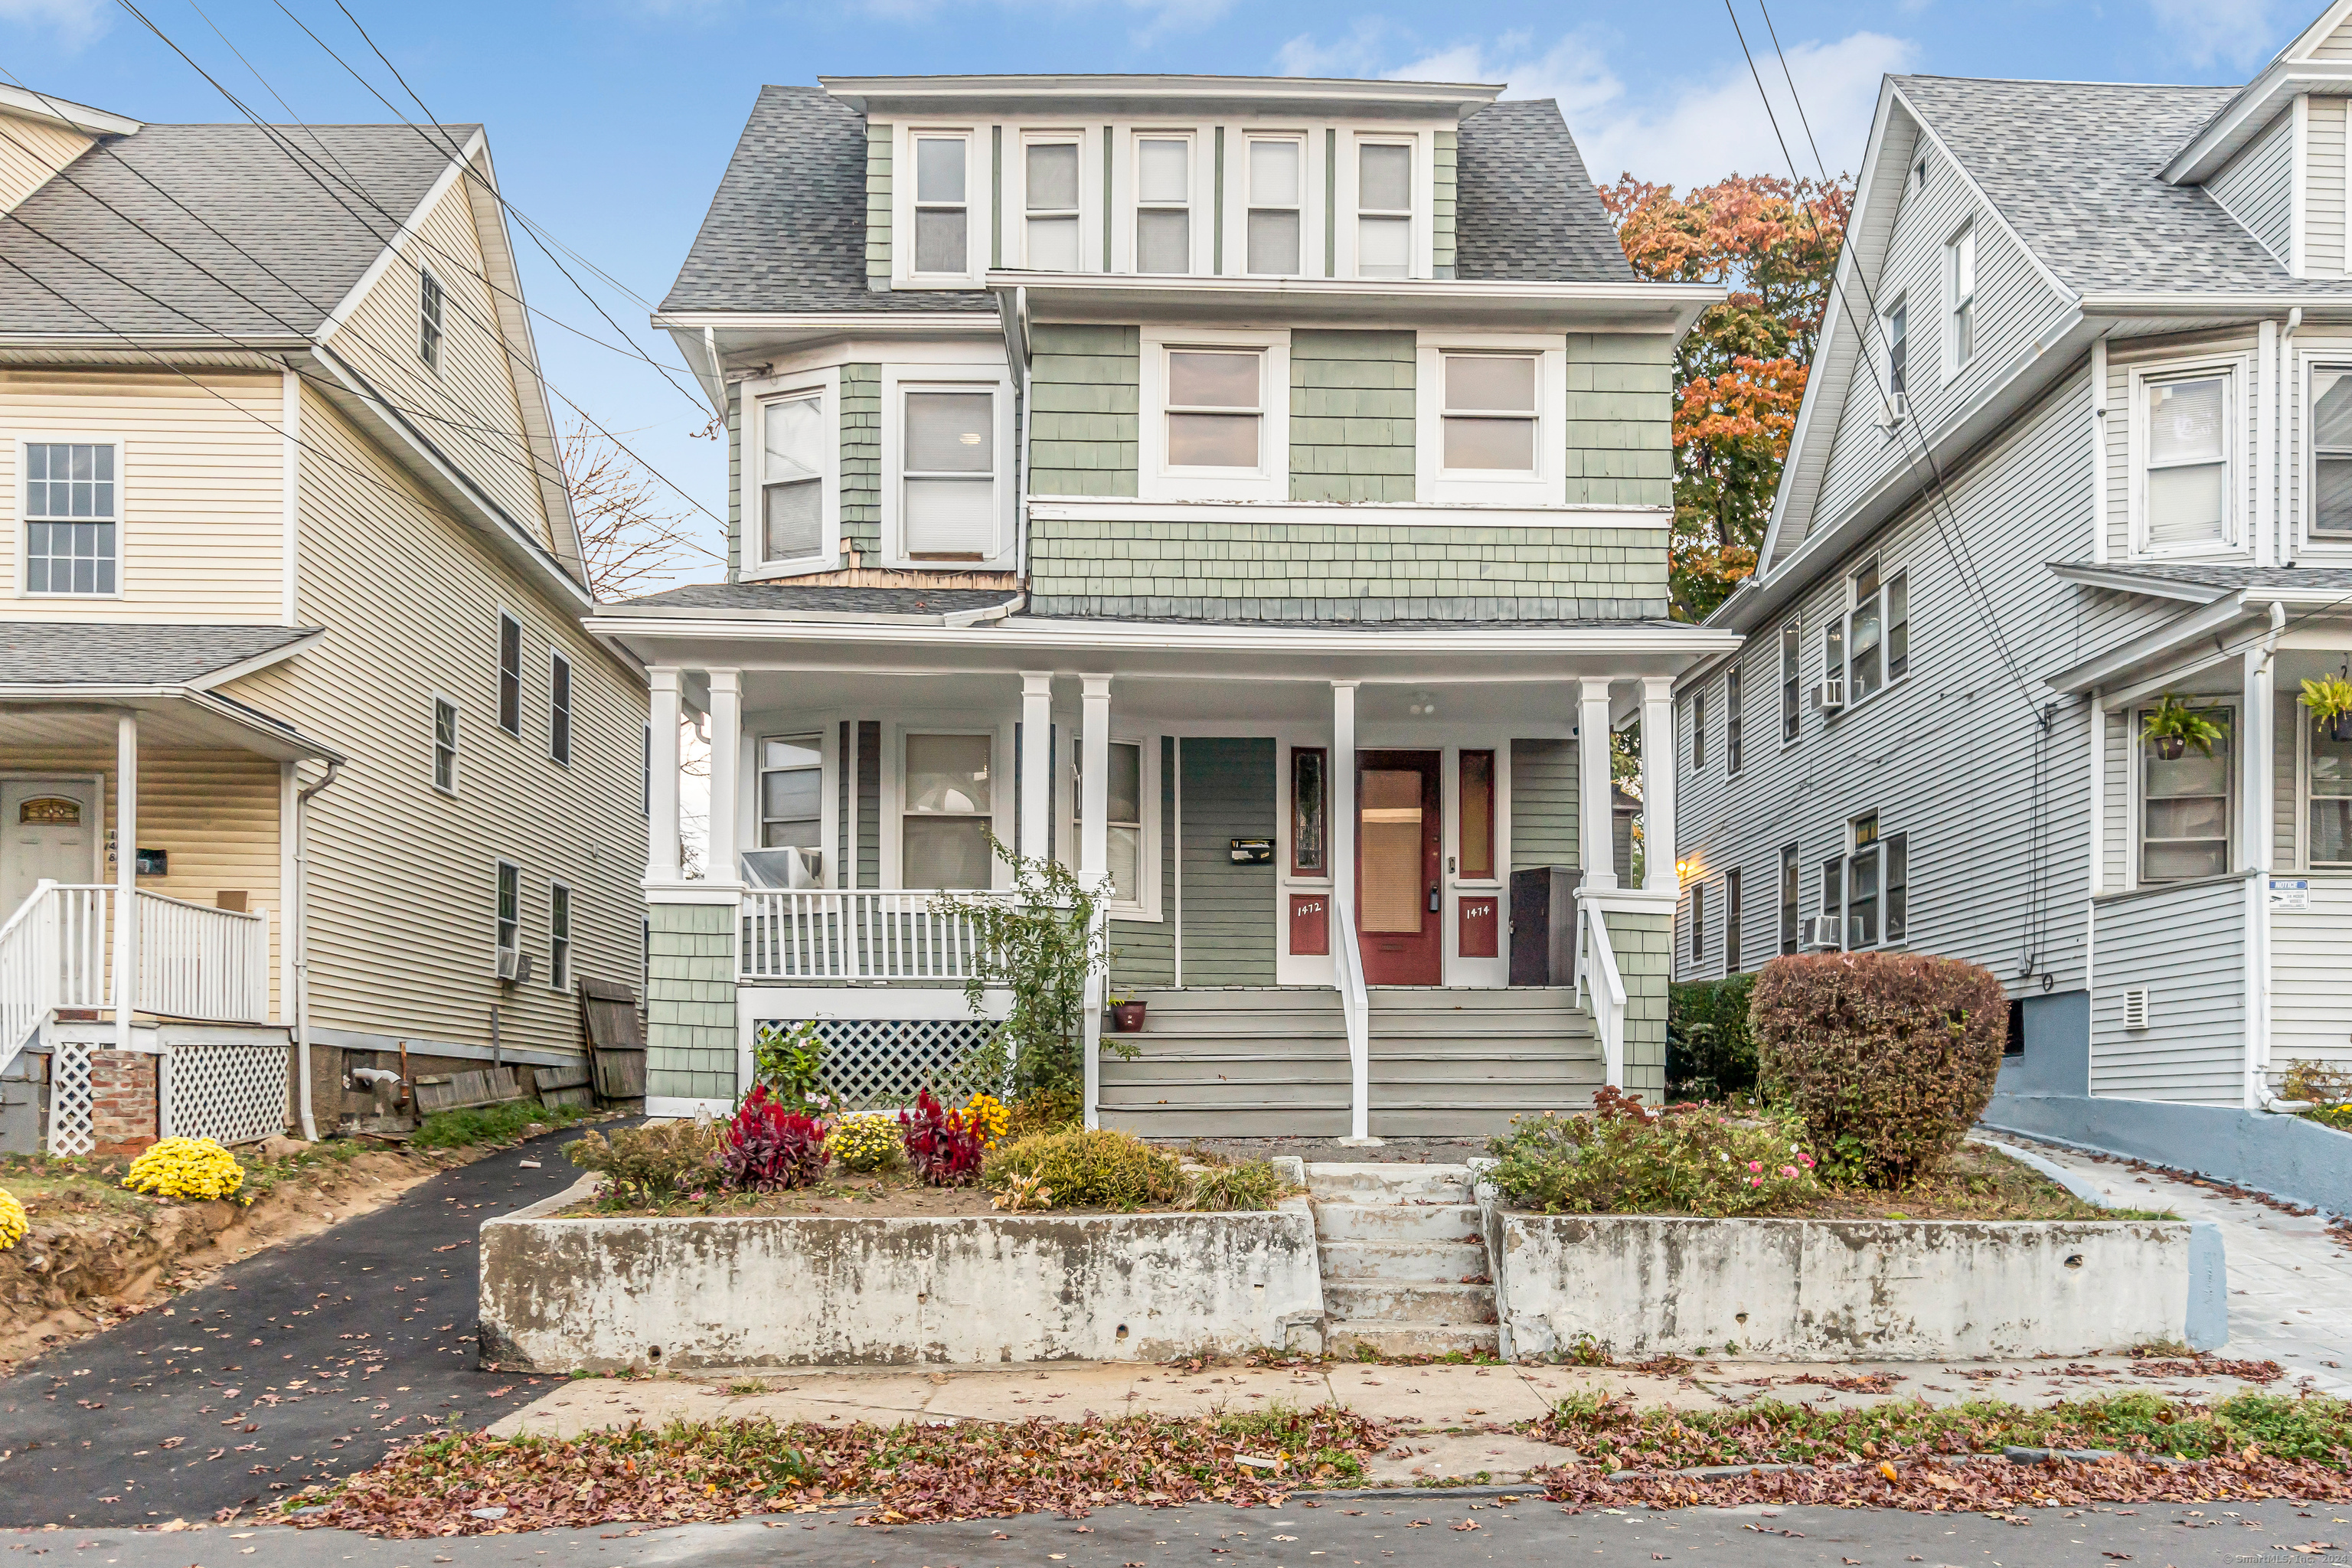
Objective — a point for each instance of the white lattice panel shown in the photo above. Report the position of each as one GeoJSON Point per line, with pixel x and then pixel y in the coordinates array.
{"type": "Point", "coordinates": [231, 1093]}
{"type": "Point", "coordinates": [72, 1128]}
{"type": "Point", "coordinates": [876, 1063]}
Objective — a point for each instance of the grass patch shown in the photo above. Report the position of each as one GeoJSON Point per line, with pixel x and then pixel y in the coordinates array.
{"type": "Point", "coordinates": [503, 1123]}
{"type": "Point", "coordinates": [1253, 1184]}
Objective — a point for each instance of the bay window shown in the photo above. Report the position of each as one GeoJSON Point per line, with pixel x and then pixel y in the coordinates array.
{"type": "Point", "coordinates": [1383, 209]}
{"type": "Point", "coordinates": [1163, 203]}
{"type": "Point", "coordinates": [791, 450]}
{"type": "Point", "coordinates": [2331, 453]}
{"type": "Point", "coordinates": [943, 209]}
{"type": "Point", "coordinates": [1050, 199]}
{"type": "Point", "coordinates": [1276, 196]}
{"type": "Point", "coordinates": [947, 811]}
{"type": "Point", "coordinates": [948, 474]}
{"type": "Point", "coordinates": [2187, 803]}
{"type": "Point", "coordinates": [2184, 461]}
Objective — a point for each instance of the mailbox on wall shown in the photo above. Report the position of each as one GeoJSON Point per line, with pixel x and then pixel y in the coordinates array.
{"type": "Point", "coordinates": [1480, 922]}
{"type": "Point", "coordinates": [1310, 924]}
{"type": "Point", "coordinates": [1252, 852]}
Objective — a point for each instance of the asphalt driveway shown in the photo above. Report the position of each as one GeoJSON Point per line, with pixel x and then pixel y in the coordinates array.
{"type": "Point", "coordinates": [303, 1362]}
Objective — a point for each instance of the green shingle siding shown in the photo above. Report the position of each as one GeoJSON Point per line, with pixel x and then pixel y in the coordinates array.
{"type": "Point", "coordinates": [1084, 387]}
{"type": "Point", "coordinates": [1351, 415]}
{"type": "Point", "coordinates": [1228, 909]}
{"type": "Point", "coordinates": [861, 458]}
{"type": "Point", "coordinates": [1345, 571]}
{"type": "Point", "coordinates": [1442, 203]}
{"type": "Point", "coordinates": [877, 205]}
{"type": "Point", "coordinates": [1644, 945]}
{"type": "Point", "coordinates": [1143, 952]}
{"type": "Point", "coordinates": [1621, 404]}
{"type": "Point", "coordinates": [690, 1001]}
{"type": "Point", "coordinates": [869, 803]}
{"type": "Point", "coordinates": [1543, 804]}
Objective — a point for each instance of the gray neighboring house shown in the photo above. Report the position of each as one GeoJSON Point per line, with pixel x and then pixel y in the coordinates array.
{"type": "Point", "coordinates": [2079, 441]}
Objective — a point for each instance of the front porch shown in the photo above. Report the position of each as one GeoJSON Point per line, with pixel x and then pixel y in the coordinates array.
{"type": "Point", "coordinates": [1427, 936]}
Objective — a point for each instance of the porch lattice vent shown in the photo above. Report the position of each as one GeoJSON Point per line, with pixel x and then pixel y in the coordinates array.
{"type": "Point", "coordinates": [73, 1129]}
{"type": "Point", "coordinates": [875, 1063]}
{"type": "Point", "coordinates": [230, 1092]}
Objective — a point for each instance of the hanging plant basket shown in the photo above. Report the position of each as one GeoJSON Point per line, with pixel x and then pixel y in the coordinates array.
{"type": "Point", "coordinates": [2173, 727]}
{"type": "Point", "coordinates": [2170, 748]}
{"type": "Point", "coordinates": [2329, 699]}
{"type": "Point", "coordinates": [2340, 728]}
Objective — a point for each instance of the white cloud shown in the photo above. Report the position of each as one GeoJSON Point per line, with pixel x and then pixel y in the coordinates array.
{"type": "Point", "coordinates": [1681, 133]}
{"type": "Point", "coordinates": [75, 22]}
{"type": "Point", "coordinates": [2204, 31]}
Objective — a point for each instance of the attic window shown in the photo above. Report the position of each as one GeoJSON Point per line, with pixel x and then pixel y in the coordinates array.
{"type": "Point", "coordinates": [1919, 176]}
{"type": "Point", "coordinates": [942, 220]}
{"type": "Point", "coordinates": [428, 323]}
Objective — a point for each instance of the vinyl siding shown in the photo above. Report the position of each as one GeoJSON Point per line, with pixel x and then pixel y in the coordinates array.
{"type": "Point", "coordinates": [200, 489]}
{"type": "Point", "coordinates": [2257, 187]}
{"type": "Point", "coordinates": [2322, 189]}
{"type": "Point", "coordinates": [1084, 382]}
{"type": "Point", "coordinates": [1543, 804]}
{"type": "Point", "coordinates": [2336, 46]}
{"type": "Point", "coordinates": [1229, 916]}
{"type": "Point", "coordinates": [2187, 946]}
{"type": "Point", "coordinates": [403, 878]}
{"type": "Point", "coordinates": [1143, 952]}
{"type": "Point", "coordinates": [2147, 357]}
{"type": "Point", "coordinates": [869, 803]}
{"type": "Point", "coordinates": [2307, 977]}
{"type": "Point", "coordinates": [1351, 415]}
{"type": "Point", "coordinates": [30, 151]}
{"type": "Point", "coordinates": [1620, 424]}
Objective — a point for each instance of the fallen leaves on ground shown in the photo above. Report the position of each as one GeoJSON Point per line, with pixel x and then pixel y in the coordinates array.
{"type": "Point", "coordinates": [2212, 1366]}
{"type": "Point", "coordinates": [702, 1472]}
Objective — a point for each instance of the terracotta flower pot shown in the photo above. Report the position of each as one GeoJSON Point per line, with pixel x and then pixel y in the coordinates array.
{"type": "Point", "coordinates": [1127, 1018]}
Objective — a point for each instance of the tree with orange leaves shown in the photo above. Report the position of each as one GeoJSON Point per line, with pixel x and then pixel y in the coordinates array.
{"type": "Point", "coordinates": [1740, 376]}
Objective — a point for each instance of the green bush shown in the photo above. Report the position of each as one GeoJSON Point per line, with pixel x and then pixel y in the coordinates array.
{"type": "Point", "coordinates": [1627, 1159]}
{"type": "Point", "coordinates": [1252, 1185]}
{"type": "Point", "coordinates": [654, 1163]}
{"type": "Point", "coordinates": [1710, 1054]}
{"type": "Point", "coordinates": [501, 1123]}
{"type": "Point", "coordinates": [1101, 1169]}
{"type": "Point", "coordinates": [1043, 1111]}
{"type": "Point", "coordinates": [1888, 1057]}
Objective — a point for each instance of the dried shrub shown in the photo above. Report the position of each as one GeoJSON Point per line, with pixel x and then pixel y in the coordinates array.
{"type": "Point", "coordinates": [1627, 1159]}
{"type": "Point", "coordinates": [1101, 1169]}
{"type": "Point", "coordinates": [1252, 1185]}
{"type": "Point", "coordinates": [653, 1163]}
{"type": "Point", "coordinates": [771, 1148]}
{"type": "Point", "coordinates": [1043, 1111]}
{"type": "Point", "coordinates": [943, 1146]}
{"type": "Point", "coordinates": [2321, 1083]}
{"type": "Point", "coordinates": [1888, 1057]}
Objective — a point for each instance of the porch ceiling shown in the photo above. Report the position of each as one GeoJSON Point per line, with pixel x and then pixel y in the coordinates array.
{"type": "Point", "coordinates": [1173, 698]}
{"type": "Point", "coordinates": [188, 721]}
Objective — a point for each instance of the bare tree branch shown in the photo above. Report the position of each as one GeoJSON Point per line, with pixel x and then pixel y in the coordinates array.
{"type": "Point", "coordinates": [629, 544]}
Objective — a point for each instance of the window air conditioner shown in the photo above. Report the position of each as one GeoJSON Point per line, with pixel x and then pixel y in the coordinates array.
{"type": "Point", "coordinates": [1894, 411]}
{"type": "Point", "coordinates": [514, 967]}
{"type": "Point", "coordinates": [1818, 933]}
{"type": "Point", "coordinates": [1829, 697]}
{"type": "Point", "coordinates": [2136, 1008]}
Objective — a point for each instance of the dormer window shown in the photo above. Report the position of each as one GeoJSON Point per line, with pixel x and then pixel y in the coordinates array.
{"type": "Point", "coordinates": [2182, 484]}
{"type": "Point", "coordinates": [1277, 186]}
{"type": "Point", "coordinates": [1163, 203]}
{"type": "Point", "coordinates": [1050, 187]}
{"type": "Point", "coordinates": [1383, 209]}
{"type": "Point", "coordinates": [943, 217]}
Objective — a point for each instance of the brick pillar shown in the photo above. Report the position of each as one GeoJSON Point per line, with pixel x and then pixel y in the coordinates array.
{"type": "Point", "coordinates": [123, 1103]}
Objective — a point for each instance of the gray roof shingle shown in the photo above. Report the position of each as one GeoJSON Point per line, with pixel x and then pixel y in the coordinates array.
{"type": "Point", "coordinates": [121, 653]}
{"type": "Point", "coordinates": [220, 196]}
{"type": "Point", "coordinates": [1526, 209]}
{"type": "Point", "coordinates": [792, 596]}
{"type": "Point", "coordinates": [2072, 167]}
{"type": "Point", "coordinates": [2223, 578]}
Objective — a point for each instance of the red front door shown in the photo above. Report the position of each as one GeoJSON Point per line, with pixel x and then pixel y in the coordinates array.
{"type": "Point", "coordinates": [1396, 868]}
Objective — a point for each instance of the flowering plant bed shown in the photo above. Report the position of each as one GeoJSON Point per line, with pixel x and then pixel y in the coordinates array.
{"type": "Point", "coordinates": [882, 1195]}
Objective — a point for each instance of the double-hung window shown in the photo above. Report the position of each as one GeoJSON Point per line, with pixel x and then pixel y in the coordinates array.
{"type": "Point", "coordinates": [2327, 789]}
{"type": "Point", "coordinates": [1869, 886]}
{"type": "Point", "coordinates": [509, 909]}
{"type": "Point", "coordinates": [1734, 748]}
{"type": "Point", "coordinates": [1383, 209]}
{"type": "Point", "coordinates": [792, 436]}
{"type": "Point", "coordinates": [1792, 682]}
{"type": "Point", "coordinates": [429, 302]}
{"type": "Point", "coordinates": [2331, 454]}
{"type": "Point", "coordinates": [509, 675]}
{"type": "Point", "coordinates": [1788, 898]}
{"type": "Point", "coordinates": [1961, 294]}
{"type": "Point", "coordinates": [943, 209]}
{"type": "Point", "coordinates": [791, 821]}
{"type": "Point", "coordinates": [2187, 802]}
{"type": "Point", "coordinates": [1276, 199]}
{"type": "Point", "coordinates": [1122, 816]}
{"type": "Point", "coordinates": [946, 813]}
{"type": "Point", "coordinates": [1163, 203]}
{"type": "Point", "coordinates": [1872, 644]}
{"type": "Point", "coordinates": [1731, 920]}
{"type": "Point", "coordinates": [2185, 489]}
{"type": "Point", "coordinates": [1049, 183]}
{"type": "Point", "coordinates": [72, 529]}
{"type": "Point", "coordinates": [948, 471]}
{"type": "Point", "coordinates": [1490, 413]}
{"type": "Point", "coordinates": [559, 708]}
{"type": "Point", "coordinates": [445, 745]}
{"type": "Point", "coordinates": [1898, 352]}
{"type": "Point", "coordinates": [1698, 729]}
{"type": "Point", "coordinates": [559, 937]}
{"type": "Point", "coordinates": [1215, 408]}
{"type": "Point", "coordinates": [1698, 924]}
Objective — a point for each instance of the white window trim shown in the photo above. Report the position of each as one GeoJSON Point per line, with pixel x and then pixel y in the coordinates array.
{"type": "Point", "coordinates": [979, 220]}
{"type": "Point", "coordinates": [1003, 809]}
{"type": "Point", "coordinates": [571, 708]}
{"type": "Point", "coordinates": [1200, 196]}
{"type": "Point", "coordinates": [1016, 193]}
{"type": "Point", "coordinates": [2310, 365]}
{"type": "Point", "coordinates": [897, 380]}
{"type": "Point", "coordinates": [499, 864]}
{"type": "Point", "coordinates": [559, 975]}
{"type": "Point", "coordinates": [1949, 263]}
{"type": "Point", "coordinates": [121, 511]}
{"type": "Point", "coordinates": [1420, 250]}
{"type": "Point", "coordinates": [498, 671]}
{"type": "Point", "coordinates": [1435, 484]}
{"type": "Point", "coordinates": [1876, 848]}
{"type": "Point", "coordinates": [2134, 714]}
{"type": "Point", "coordinates": [754, 396]}
{"type": "Point", "coordinates": [1781, 728]}
{"type": "Point", "coordinates": [1238, 200]}
{"type": "Point", "coordinates": [1146, 905]}
{"type": "Point", "coordinates": [434, 360]}
{"type": "Point", "coordinates": [1155, 480]}
{"type": "Point", "coordinates": [1900, 305]}
{"type": "Point", "coordinates": [2236, 368]}
{"type": "Point", "coordinates": [433, 701]}
{"type": "Point", "coordinates": [1888, 577]}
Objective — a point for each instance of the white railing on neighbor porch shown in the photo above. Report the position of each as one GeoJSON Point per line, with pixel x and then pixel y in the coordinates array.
{"type": "Point", "coordinates": [198, 962]}
{"type": "Point", "coordinates": [53, 954]}
{"type": "Point", "coordinates": [1356, 1007]}
{"type": "Point", "coordinates": [1601, 987]}
{"type": "Point", "coordinates": [831, 933]}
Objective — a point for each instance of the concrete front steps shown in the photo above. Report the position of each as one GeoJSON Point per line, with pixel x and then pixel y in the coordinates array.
{"type": "Point", "coordinates": [1402, 1259]}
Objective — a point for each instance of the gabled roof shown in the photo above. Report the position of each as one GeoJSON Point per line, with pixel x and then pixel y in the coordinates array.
{"type": "Point", "coordinates": [1525, 209]}
{"type": "Point", "coordinates": [139, 653]}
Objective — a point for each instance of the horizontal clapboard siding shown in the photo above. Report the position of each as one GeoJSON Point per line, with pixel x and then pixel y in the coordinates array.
{"type": "Point", "coordinates": [1543, 804]}
{"type": "Point", "coordinates": [2308, 983]}
{"type": "Point", "coordinates": [1228, 909]}
{"type": "Point", "coordinates": [2257, 186]}
{"type": "Point", "coordinates": [2322, 189]}
{"type": "Point", "coordinates": [2186, 946]}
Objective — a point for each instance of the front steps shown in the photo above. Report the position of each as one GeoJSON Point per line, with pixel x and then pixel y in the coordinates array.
{"type": "Point", "coordinates": [1448, 1061]}
{"type": "Point", "coordinates": [1404, 1269]}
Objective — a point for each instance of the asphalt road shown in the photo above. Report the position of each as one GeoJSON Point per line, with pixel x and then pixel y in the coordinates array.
{"type": "Point", "coordinates": [1383, 1533]}
{"type": "Point", "coordinates": [301, 1363]}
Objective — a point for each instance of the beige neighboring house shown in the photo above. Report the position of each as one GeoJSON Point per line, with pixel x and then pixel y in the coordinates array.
{"type": "Point", "coordinates": [291, 653]}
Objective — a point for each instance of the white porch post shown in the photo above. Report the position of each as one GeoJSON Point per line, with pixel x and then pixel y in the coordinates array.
{"type": "Point", "coordinates": [1347, 958]}
{"type": "Point", "coordinates": [2256, 751]}
{"type": "Point", "coordinates": [1597, 825]}
{"type": "Point", "coordinates": [1038, 763]}
{"type": "Point", "coordinates": [1094, 858]}
{"type": "Point", "coordinates": [126, 875]}
{"type": "Point", "coordinates": [661, 824]}
{"type": "Point", "coordinates": [726, 768]}
{"type": "Point", "coordinates": [1658, 858]}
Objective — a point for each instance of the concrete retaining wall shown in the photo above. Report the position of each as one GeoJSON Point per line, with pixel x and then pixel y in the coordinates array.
{"type": "Point", "coordinates": [772, 1291]}
{"type": "Point", "coordinates": [2286, 1155]}
{"type": "Point", "coordinates": [1897, 1289]}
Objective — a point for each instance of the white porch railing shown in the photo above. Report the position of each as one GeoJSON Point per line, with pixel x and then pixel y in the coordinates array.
{"type": "Point", "coordinates": [831, 933]}
{"type": "Point", "coordinates": [1601, 987]}
{"type": "Point", "coordinates": [1356, 1007]}
{"type": "Point", "coordinates": [197, 962]}
{"type": "Point", "coordinates": [53, 954]}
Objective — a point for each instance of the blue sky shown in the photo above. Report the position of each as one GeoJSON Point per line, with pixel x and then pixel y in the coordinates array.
{"type": "Point", "coordinates": [611, 119]}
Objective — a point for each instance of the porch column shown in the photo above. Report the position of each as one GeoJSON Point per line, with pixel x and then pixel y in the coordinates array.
{"type": "Point", "coordinates": [726, 768]}
{"type": "Point", "coordinates": [1347, 958]}
{"type": "Point", "coordinates": [661, 791]}
{"type": "Point", "coordinates": [1094, 860]}
{"type": "Point", "coordinates": [1036, 762]}
{"type": "Point", "coordinates": [1596, 835]}
{"type": "Point", "coordinates": [1658, 858]}
{"type": "Point", "coordinates": [2257, 754]}
{"type": "Point", "coordinates": [126, 875]}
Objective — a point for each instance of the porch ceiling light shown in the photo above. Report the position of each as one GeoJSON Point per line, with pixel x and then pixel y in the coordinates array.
{"type": "Point", "coordinates": [1421, 705]}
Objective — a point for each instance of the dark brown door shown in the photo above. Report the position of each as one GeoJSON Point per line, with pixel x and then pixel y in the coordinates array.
{"type": "Point", "coordinates": [1396, 868]}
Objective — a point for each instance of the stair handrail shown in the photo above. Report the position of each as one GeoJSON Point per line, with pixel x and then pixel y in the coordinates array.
{"type": "Point", "coordinates": [1597, 977]}
{"type": "Point", "coordinates": [28, 984]}
{"type": "Point", "coordinates": [1355, 1007]}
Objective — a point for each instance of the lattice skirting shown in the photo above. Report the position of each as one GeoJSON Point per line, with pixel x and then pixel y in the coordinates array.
{"type": "Point", "coordinates": [876, 1063]}
{"type": "Point", "coordinates": [234, 1093]}
{"type": "Point", "coordinates": [73, 1128]}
